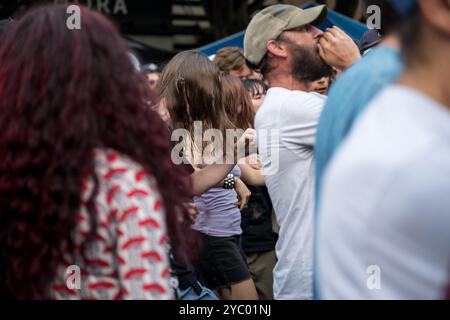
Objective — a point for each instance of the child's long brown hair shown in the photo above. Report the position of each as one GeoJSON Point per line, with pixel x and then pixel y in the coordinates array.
{"type": "Point", "coordinates": [191, 85]}
{"type": "Point", "coordinates": [235, 96]}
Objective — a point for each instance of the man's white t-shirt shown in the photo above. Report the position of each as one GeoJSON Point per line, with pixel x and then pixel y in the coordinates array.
{"type": "Point", "coordinates": [384, 215]}
{"type": "Point", "coordinates": [286, 127]}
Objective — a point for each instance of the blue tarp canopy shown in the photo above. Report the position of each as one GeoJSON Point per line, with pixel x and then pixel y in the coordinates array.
{"type": "Point", "coordinates": [353, 28]}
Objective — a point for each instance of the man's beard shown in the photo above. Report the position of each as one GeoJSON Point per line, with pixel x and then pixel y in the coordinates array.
{"type": "Point", "coordinates": [307, 65]}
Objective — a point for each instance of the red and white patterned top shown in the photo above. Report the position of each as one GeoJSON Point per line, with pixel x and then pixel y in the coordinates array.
{"type": "Point", "coordinates": [128, 257]}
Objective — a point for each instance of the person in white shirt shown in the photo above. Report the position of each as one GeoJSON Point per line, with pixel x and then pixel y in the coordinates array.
{"type": "Point", "coordinates": [282, 43]}
{"type": "Point", "coordinates": [384, 212]}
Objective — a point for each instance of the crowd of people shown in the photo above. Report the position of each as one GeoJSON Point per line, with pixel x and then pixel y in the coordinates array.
{"type": "Point", "coordinates": [303, 166]}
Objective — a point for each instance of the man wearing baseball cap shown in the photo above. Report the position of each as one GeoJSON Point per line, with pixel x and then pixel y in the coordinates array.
{"type": "Point", "coordinates": [283, 43]}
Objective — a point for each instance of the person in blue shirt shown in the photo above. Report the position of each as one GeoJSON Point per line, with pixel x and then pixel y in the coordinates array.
{"type": "Point", "coordinates": [349, 96]}
{"type": "Point", "coordinates": [355, 88]}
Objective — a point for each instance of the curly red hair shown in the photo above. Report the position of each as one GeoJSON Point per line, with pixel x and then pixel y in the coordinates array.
{"type": "Point", "coordinates": [64, 93]}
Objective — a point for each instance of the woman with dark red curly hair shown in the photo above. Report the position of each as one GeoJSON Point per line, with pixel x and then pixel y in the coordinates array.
{"type": "Point", "coordinates": [86, 177]}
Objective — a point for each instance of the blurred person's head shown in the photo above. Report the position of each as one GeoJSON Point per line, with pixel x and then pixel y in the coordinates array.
{"type": "Point", "coordinates": [281, 41]}
{"type": "Point", "coordinates": [257, 90]}
{"type": "Point", "coordinates": [152, 73]}
{"type": "Point", "coordinates": [320, 86]}
{"type": "Point", "coordinates": [231, 60]}
{"type": "Point", "coordinates": [392, 13]}
{"type": "Point", "coordinates": [425, 42]}
{"type": "Point", "coordinates": [191, 85]}
{"type": "Point", "coordinates": [237, 102]}
{"type": "Point", "coordinates": [63, 94]}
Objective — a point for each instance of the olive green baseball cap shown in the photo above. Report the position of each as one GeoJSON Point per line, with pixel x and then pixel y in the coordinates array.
{"type": "Point", "coordinates": [270, 22]}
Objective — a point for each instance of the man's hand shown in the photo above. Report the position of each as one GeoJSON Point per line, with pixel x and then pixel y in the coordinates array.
{"type": "Point", "coordinates": [247, 139]}
{"type": "Point", "coordinates": [243, 193]}
{"type": "Point", "coordinates": [254, 161]}
{"type": "Point", "coordinates": [337, 49]}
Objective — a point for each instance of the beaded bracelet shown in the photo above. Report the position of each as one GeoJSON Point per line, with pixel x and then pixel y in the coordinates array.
{"type": "Point", "coordinates": [229, 181]}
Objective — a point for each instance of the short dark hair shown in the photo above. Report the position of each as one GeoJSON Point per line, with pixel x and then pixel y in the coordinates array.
{"type": "Point", "coordinates": [252, 85]}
